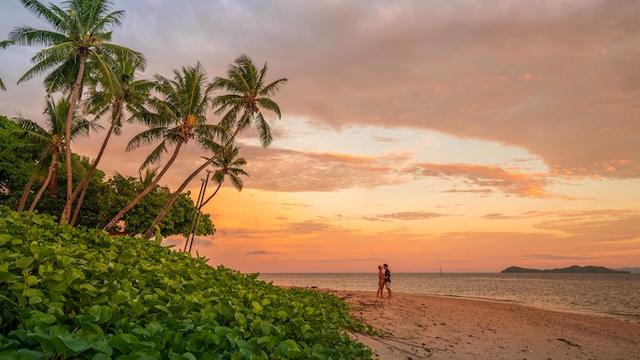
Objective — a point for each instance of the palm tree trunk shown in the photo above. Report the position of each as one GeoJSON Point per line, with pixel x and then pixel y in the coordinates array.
{"type": "Point", "coordinates": [52, 168]}
{"type": "Point", "coordinates": [82, 187]}
{"type": "Point", "coordinates": [194, 228]}
{"type": "Point", "coordinates": [144, 192]}
{"type": "Point", "coordinates": [76, 212]}
{"type": "Point", "coordinates": [26, 191]}
{"type": "Point", "coordinates": [210, 197]}
{"type": "Point", "coordinates": [195, 214]}
{"type": "Point", "coordinates": [73, 100]}
{"type": "Point", "coordinates": [174, 197]}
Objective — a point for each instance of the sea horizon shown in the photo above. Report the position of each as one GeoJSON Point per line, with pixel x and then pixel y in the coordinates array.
{"type": "Point", "coordinates": [610, 294]}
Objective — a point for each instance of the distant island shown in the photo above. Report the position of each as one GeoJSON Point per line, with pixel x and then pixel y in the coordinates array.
{"type": "Point", "coordinates": [575, 269]}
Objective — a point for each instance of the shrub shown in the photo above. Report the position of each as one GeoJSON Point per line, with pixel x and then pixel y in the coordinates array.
{"type": "Point", "coordinates": [80, 293]}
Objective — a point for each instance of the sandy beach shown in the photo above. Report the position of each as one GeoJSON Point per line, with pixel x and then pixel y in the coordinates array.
{"type": "Point", "coordinates": [438, 327]}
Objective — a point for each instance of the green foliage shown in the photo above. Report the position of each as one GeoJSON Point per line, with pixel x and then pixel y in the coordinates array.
{"type": "Point", "coordinates": [74, 293]}
{"type": "Point", "coordinates": [76, 31]}
{"type": "Point", "coordinates": [247, 95]}
{"type": "Point", "coordinates": [103, 199]}
{"type": "Point", "coordinates": [140, 218]}
{"type": "Point", "coordinates": [15, 166]}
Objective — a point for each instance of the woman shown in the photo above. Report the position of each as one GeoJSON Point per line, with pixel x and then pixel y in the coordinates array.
{"type": "Point", "coordinates": [380, 282]}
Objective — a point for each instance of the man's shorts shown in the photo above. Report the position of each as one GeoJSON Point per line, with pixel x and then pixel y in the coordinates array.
{"type": "Point", "coordinates": [388, 285]}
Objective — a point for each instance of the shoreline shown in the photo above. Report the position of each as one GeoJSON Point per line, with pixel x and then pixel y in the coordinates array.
{"type": "Point", "coordinates": [419, 326]}
{"type": "Point", "coordinates": [630, 318]}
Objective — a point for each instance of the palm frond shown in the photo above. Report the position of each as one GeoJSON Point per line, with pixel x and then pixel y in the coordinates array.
{"type": "Point", "coordinates": [264, 131]}
{"type": "Point", "coordinates": [46, 13]}
{"type": "Point", "coordinates": [29, 36]}
{"type": "Point", "coordinates": [146, 137]}
{"type": "Point", "coordinates": [154, 156]}
{"type": "Point", "coordinates": [112, 19]}
{"type": "Point", "coordinates": [270, 105]}
{"type": "Point", "coordinates": [47, 59]}
{"type": "Point", "coordinates": [272, 87]}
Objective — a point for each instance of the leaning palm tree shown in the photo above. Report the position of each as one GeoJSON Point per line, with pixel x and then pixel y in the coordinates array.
{"type": "Point", "coordinates": [51, 141]}
{"type": "Point", "coordinates": [248, 94]}
{"type": "Point", "coordinates": [80, 31]}
{"type": "Point", "coordinates": [124, 93]}
{"type": "Point", "coordinates": [174, 117]}
{"type": "Point", "coordinates": [226, 164]}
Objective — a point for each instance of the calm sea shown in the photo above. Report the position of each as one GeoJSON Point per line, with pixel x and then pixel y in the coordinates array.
{"type": "Point", "coordinates": [615, 295]}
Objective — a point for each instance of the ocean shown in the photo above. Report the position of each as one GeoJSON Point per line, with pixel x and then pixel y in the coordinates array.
{"type": "Point", "coordinates": [614, 295]}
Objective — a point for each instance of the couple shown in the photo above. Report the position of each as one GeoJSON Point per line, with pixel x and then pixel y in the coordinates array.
{"type": "Point", "coordinates": [384, 281]}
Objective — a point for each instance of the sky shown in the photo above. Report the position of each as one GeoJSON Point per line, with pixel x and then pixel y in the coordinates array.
{"type": "Point", "coordinates": [467, 135]}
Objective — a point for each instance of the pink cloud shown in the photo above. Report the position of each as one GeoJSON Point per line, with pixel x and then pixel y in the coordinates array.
{"type": "Point", "coordinates": [514, 183]}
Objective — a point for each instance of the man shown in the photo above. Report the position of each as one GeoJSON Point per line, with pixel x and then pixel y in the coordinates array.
{"type": "Point", "coordinates": [387, 279]}
{"type": "Point", "coordinates": [380, 282]}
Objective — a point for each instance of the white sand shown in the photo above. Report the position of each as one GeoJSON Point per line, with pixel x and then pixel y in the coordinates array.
{"type": "Point", "coordinates": [437, 327]}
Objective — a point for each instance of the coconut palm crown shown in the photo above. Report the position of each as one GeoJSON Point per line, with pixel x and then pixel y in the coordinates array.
{"type": "Point", "coordinates": [247, 94]}
{"type": "Point", "coordinates": [50, 141]}
{"type": "Point", "coordinates": [79, 32]}
{"type": "Point", "coordinates": [174, 116]}
{"type": "Point", "coordinates": [124, 95]}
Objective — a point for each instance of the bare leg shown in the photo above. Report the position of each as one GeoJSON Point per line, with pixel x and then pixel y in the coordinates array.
{"type": "Point", "coordinates": [389, 291]}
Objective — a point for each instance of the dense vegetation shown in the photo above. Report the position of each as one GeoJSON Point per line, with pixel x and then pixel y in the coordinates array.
{"type": "Point", "coordinates": [80, 293]}
{"type": "Point", "coordinates": [77, 292]}
{"type": "Point", "coordinates": [93, 83]}
{"type": "Point", "coordinates": [103, 197]}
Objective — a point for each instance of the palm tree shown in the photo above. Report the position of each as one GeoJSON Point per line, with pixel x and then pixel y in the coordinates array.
{"type": "Point", "coordinates": [225, 159]}
{"type": "Point", "coordinates": [36, 175]}
{"type": "Point", "coordinates": [127, 93]}
{"type": "Point", "coordinates": [175, 117]}
{"type": "Point", "coordinates": [80, 31]}
{"type": "Point", "coordinates": [227, 164]}
{"type": "Point", "coordinates": [51, 141]}
{"type": "Point", "coordinates": [248, 95]}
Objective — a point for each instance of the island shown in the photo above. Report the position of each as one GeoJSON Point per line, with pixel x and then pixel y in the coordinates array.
{"type": "Point", "coordinates": [574, 269]}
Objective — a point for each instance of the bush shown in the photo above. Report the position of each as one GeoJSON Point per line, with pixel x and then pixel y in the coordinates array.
{"type": "Point", "coordinates": [80, 293]}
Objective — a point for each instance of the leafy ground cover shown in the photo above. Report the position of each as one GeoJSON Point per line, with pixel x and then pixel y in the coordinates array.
{"type": "Point", "coordinates": [80, 293]}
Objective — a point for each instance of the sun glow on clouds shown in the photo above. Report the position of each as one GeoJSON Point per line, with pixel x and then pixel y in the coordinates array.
{"type": "Point", "coordinates": [485, 135]}
{"type": "Point", "coordinates": [307, 209]}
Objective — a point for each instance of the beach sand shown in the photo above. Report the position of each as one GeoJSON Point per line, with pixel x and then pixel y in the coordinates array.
{"type": "Point", "coordinates": [438, 327]}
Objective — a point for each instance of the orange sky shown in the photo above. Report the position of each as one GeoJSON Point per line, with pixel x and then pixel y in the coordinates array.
{"type": "Point", "coordinates": [470, 135]}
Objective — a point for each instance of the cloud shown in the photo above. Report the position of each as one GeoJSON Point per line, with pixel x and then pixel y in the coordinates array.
{"type": "Point", "coordinates": [556, 78]}
{"type": "Point", "coordinates": [497, 216]}
{"type": "Point", "coordinates": [310, 227]}
{"type": "Point", "coordinates": [294, 228]}
{"type": "Point", "coordinates": [479, 191]}
{"type": "Point", "coordinates": [514, 183]}
{"type": "Point", "coordinates": [276, 169]}
{"type": "Point", "coordinates": [404, 215]}
{"type": "Point", "coordinates": [261, 252]}
{"type": "Point", "coordinates": [615, 225]}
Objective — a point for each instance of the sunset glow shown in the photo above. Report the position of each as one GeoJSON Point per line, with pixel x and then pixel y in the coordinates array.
{"type": "Point", "coordinates": [464, 135]}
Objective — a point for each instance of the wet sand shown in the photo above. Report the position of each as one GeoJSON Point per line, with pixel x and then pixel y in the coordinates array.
{"type": "Point", "coordinates": [438, 327]}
